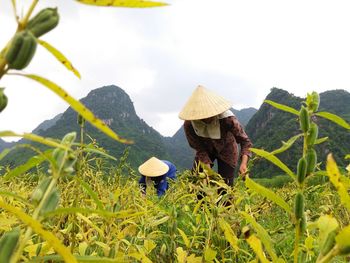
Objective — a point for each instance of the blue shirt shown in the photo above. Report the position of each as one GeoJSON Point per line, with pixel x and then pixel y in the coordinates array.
{"type": "Point", "coordinates": [160, 182]}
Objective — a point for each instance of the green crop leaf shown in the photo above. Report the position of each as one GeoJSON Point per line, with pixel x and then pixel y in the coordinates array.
{"type": "Point", "coordinates": [334, 118]}
{"type": "Point", "coordinates": [262, 234]}
{"type": "Point", "coordinates": [77, 106]}
{"type": "Point", "coordinates": [31, 163]}
{"type": "Point", "coordinates": [90, 192]}
{"type": "Point", "coordinates": [270, 157]}
{"type": "Point", "coordinates": [184, 237]}
{"type": "Point", "coordinates": [60, 57]}
{"type": "Point", "coordinates": [121, 3]}
{"type": "Point", "coordinates": [255, 244]}
{"type": "Point", "coordinates": [38, 228]}
{"type": "Point", "coordinates": [15, 196]}
{"type": "Point", "coordinates": [335, 178]}
{"type": "Point", "coordinates": [282, 107]}
{"type": "Point", "coordinates": [257, 188]}
{"type": "Point", "coordinates": [82, 259]}
{"type": "Point", "coordinates": [287, 145]}
{"type": "Point", "coordinates": [342, 239]}
{"type": "Point", "coordinates": [326, 224]}
{"type": "Point", "coordinates": [34, 138]}
{"type": "Point", "coordinates": [229, 234]}
{"type": "Point", "coordinates": [209, 254]}
{"type": "Point", "coordinates": [321, 140]}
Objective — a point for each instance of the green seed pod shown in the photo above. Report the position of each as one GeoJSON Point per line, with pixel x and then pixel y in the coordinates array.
{"type": "Point", "coordinates": [51, 202]}
{"type": "Point", "coordinates": [299, 206]}
{"type": "Point", "coordinates": [8, 243]}
{"type": "Point", "coordinates": [302, 224]}
{"type": "Point", "coordinates": [21, 50]}
{"type": "Point", "coordinates": [301, 170]}
{"type": "Point", "coordinates": [3, 100]}
{"type": "Point", "coordinates": [81, 120]}
{"type": "Point", "coordinates": [304, 119]}
{"type": "Point", "coordinates": [39, 191]}
{"type": "Point", "coordinates": [311, 158]}
{"type": "Point", "coordinates": [312, 134]}
{"type": "Point", "coordinates": [329, 242]}
{"type": "Point", "coordinates": [314, 102]}
{"type": "Point", "coordinates": [46, 20]}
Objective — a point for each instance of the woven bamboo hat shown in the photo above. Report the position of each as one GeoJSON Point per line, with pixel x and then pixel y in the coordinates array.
{"type": "Point", "coordinates": [153, 167]}
{"type": "Point", "coordinates": [203, 104]}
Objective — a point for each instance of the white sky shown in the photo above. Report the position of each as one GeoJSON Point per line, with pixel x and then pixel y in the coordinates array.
{"type": "Point", "coordinates": [239, 49]}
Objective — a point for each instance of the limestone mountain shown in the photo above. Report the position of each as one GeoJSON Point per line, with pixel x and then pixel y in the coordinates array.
{"type": "Point", "coordinates": [270, 126]}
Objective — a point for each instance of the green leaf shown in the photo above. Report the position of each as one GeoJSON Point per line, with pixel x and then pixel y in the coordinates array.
{"type": "Point", "coordinates": [38, 228]}
{"type": "Point", "coordinates": [262, 234]}
{"type": "Point", "coordinates": [268, 194]}
{"type": "Point", "coordinates": [282, 107]}
{"type": "Point", "coordinates": [321, 140]}
{"type": "Point", "coordinates": [60, 57]}
{"type": "Point", "coordinates": [255, 244]}
{"type": "Point", "coordinates": [287, 145]}
{"type": "Point", "coordinates": [90, 148]}
{"type": "Point", "coordinates": [90, 192]}
{"type": "Point", "coordinates": [209, 254]}
{"type": "Point", "coordinates": [270, 157]}
{"type": "Point", "coordinates": [347, 156]}
{"type": "Point", "coordinates": [87, 259]}
{"type": "Point", "coordinates": [342, 239]}
{"type": "Point", "coordinates": [121, 3]}
{"type": "Point", "coordinates": [326, 224]}
{"type": "Point", "coordinates": [181, 255]}
{"type": "Point", "coordinates": [229, 234]}
{"type": "Point", "coordinates": [77, 106]}
{"type": "Point", "coordinates": [184, 237]}
{"type": "Point", "coordinates": [15, 196]}
{"type": "Point", "coordinates": [31, 163]}
{"type": "Point", "coordinates": [34, 138]}
{"type": "Point", "coordinates": [334, 118]}
{"type": "Point", "coordinates": [335, 178]}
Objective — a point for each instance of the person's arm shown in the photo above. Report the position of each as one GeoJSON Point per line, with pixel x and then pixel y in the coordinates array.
{"type": "Point", "coordinates": [195, 142]}
{"type": "Point", "coordinates": [245, 143]}
{"type": "Point", "coordinates": [162, 186]}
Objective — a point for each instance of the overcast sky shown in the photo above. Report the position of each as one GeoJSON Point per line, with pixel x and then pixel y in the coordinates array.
{"type": "Point", "coordinates": [239, 49]}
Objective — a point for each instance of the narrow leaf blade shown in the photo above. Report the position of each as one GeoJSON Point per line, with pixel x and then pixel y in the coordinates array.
{"type": "Point", "coordinates": [121, 3]}
{"type": "Point", "coordinates": [282, 107]}
{"type": "Point", "coordinates": [334, 118]}
{"type": "Point", "coordinates": [60, 57]}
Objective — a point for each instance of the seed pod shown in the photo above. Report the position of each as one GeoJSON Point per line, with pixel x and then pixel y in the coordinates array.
{"type": "Point", "coordinates": [312, 134]}
{"type": "Point", "coordinates": [46, 20]}
{"type": "Point", "coordinates": [8, 243]}
{"type": "Point", "coordinates": [299, 206]}
{"type": "Point", "coordinates": [301, 170]}
{"type": "Point", "coordinates": [315, 101]}
{"type": "Point", "coordinates": [51, 202]}
{"type": "Point", "coordinates": [329, 242]}
{"type": "Point", "coordinates": [21, 50]}
{"type": "Point", "coordinates": [311, 159]}
{"type": "Point", "coordinates": [81, 120]}
{"type": "Point", "coordinates": [304, 119]}
{"type": "Point", "coordinates": [39, 191]}
{"type": "Point", "coordinates": [3, 100]}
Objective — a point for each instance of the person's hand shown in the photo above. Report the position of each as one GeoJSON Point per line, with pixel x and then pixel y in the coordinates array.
{"type": "Point", "coordinates": [243, 171]}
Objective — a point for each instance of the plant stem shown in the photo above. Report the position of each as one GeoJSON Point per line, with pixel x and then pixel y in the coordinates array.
{"type": "Point", "coordinates": [296, 244]}
{"type": "Point", "coordinates": [329, 256]}
{"type": "Point", "coordinates": [24, 21]}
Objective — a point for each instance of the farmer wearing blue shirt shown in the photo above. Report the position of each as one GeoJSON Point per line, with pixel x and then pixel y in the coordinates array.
{"type": "Point", "coordinates": [156, 172]}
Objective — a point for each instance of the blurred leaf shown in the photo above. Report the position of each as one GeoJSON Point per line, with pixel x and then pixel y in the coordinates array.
{"type": "Point", "coordinates": [82, 248]}
{"type": "Point", "coordinates": [268, 194]}
{"type": "Point", "coordinates": [149, 245]}
{"type": "Point", "coordinates": [334, 118]}
{"type": "Point", "coordinates": [273, 159]}
{"type": "Point", "coordinates": [321, 140]}
{"type": "Point", "coordinates": [92, 194]}
{"type": "Point", "coordinates": [60, 57]}
{"type": "Point", "coordinates": [122, 3]}
{"type": "Point", "coordinates": [255, 244]}
{"type": "Point", "coordinates": [229, 234]}
{"type": "Point", "coordinates": [286, 145]}
{"type": "Point", "coordinates": [209, 254]}
{"type": "Point", "coordinates": [35, 138]}
{"type": "Point", "coordinates": [77, 106]}
{"type": "Point", "coordinates": [282, 107]}
{"type": "Point", "coordinates": [83, 259]}
{"type": "Point", "coordinates": [31, 163]}
{"type": "Point", "coordinates": [38, 228]}
{"type": "Point", "coordinates": [184, 237]}
{"type": "Point", "coordinates": [6, 193]}
{"type": "Point", "coordinates": [335, 178]}
{"type": "Point", "coordinates": [343, 238]}
{"type": "Point", "coordinates": [326, 224]}
{"type": "Point", "coordinates": [193, 259]}
{"type": "Point", "coordinates": [90, 223]}
{"type": "Point", "coordinates": [262, 234]}
{"type": "Point", "coordinates": [181, 255]}
{"type": "Point", "coordinates": [159, 221]}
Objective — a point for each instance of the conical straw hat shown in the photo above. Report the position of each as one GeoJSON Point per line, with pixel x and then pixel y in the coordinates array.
{"type": "Point", "coordinates": [153, 167]}
{"type": "Point", "coordinates": [203, 104]}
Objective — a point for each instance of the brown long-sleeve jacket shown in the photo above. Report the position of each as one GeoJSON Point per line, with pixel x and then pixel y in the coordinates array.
{"type": "Point", "coordinates": [225, 148]}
